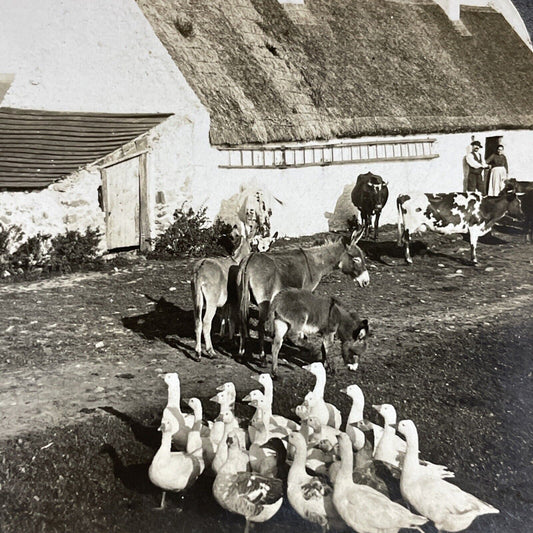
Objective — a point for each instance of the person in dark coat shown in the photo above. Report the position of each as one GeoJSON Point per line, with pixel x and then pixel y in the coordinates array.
{"type": "Point", "coordinates": [475, 180]}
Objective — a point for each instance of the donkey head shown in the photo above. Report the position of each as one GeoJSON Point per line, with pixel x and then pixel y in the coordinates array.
{"type": "Point", "coordinates": [355, 343]}
{"type": "Point", "coordinates": [352, 261]}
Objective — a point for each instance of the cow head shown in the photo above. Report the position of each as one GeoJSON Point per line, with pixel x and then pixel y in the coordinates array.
{"type": "Point", "coordinates": [355, 343]}
{"type": "Point", "coordinates": [263, 244]}
{"type": "Point", "coordinates": [352, 261]}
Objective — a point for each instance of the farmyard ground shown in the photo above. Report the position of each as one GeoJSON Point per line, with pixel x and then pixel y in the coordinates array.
{"type": "Point", "coordinates": [451, 349]}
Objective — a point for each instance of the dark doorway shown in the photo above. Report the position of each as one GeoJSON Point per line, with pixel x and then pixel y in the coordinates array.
{"type": "Point", "coordinates": [491, 145]}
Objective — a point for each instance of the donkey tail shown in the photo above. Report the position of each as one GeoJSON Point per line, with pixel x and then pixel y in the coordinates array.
{"type": "Point", "coordinates": [401, 222]}
{"type": "Point", "coordinates": [197, 295]}
{"type": "Point", "coordinates": [243, 291]}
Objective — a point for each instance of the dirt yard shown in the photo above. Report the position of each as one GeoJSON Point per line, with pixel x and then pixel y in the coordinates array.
{"type": "Point", "coordinates": [80, 357]}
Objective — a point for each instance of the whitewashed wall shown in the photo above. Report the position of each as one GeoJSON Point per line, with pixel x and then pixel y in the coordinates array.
{"type": "Point", "coordinates": [309, 193]}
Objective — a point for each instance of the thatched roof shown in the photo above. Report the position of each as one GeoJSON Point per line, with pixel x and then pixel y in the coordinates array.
{"type": "Point", "coordinates": [525, 8]}
{"type": "Point", "coordinates": [345, 68]}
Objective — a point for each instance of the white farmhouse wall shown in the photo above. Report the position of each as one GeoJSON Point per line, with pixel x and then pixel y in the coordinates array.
{"type": "Point", "coordinates": [71, 204]}
{"type": "Point", "coordinates": [308, 193]}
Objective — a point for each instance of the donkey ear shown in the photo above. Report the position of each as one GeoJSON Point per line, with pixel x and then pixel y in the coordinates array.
{"type": "Point", "coordinates": [356, 235]}
{"type": "Point", "coordinates": [275, 236]}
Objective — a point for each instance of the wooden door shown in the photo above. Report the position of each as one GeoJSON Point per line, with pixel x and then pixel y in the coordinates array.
{"type": "Point", "coordinates": [121, 188]}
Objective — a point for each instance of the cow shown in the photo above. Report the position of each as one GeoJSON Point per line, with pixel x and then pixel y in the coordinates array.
{"type": "Point", "coordinates": [370, 195]}
{"type": "Point", "coordinates": [455, 212]}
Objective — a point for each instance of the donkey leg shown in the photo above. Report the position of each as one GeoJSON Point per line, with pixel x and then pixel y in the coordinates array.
{"type": "Point", "coordinates": [198, 330]}
{"type": "Point", "coordinates": [327, 343]}
{"type": "Point", "coordinates": [210, 311]}
{"type": "Point", "coordinates": [263, 315]}
{"type": "Point", "coordinates": [280, 330]}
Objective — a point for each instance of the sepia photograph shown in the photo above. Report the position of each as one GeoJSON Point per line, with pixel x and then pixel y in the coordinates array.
{"type": "Point", "coordinates": [266, 266]}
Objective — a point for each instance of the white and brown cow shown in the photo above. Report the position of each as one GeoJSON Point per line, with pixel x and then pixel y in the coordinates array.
{"type": "Point", "coordinates": [448, 213]}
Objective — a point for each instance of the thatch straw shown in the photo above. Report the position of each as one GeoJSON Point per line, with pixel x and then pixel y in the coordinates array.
{"type": "Point", "coordinates": [340, 68]}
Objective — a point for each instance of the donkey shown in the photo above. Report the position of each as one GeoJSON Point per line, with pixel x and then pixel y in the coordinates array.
{"type": "Point", "coordinates": [303, 313]}
{"type": "Point", "coordinates": [213, 285]}
{"type": "Point", "coordinates": [262, 275]}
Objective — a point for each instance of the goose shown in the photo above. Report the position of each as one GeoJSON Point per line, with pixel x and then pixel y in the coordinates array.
{"type": "Point", "coordinates": [310, 496]}
{"type": "Point", "coordinates": [185, 421]}
{"type": "Point", "coordinates": [208, 445]}
{"type": "Point", "coordinates": [258, 498]}
{"type": "Point", "coordinates": [323, 435]}
{"type": "Point", "coordinates": [229, 388]}
{"type": "Point", "coordinates": [226, 399]}
{"type": "Point", "coordinates": [227, 418]}
{"type": "Point", "coordinates": [262, 418]}
{"type": "Point", "coordinates": [268, 385]}
{"type": "Point", "coordinates": [450, 508]}
{"type": "Point", "coordinates": [327, 412]}
{"type": "Point", "coordinates": [391, 448]}
{"type": "Point", "coordinates": [363, 508]}
{"type": "Point", "coordinates": [355, 415]}
{"type": "Point", "coordinates": [175, 471]}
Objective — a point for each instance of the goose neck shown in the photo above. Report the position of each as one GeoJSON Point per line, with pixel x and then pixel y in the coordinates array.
{"type": "Point", "coordinates": [174, 394]}
{"type": "Point", "coordinates": [297, 469]}
{"type": "Point", "coordinates": [356, 412]}
{"type": "Point", "coordinates": [320, 385]}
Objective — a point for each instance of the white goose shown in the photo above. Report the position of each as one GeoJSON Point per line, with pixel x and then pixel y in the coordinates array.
{"type": "Point", "coordinates": [268, 385]}
{"type": "Point", "coordinates": [226, 399]}
{"type": "Point", "coordinates": [363, 508]}
{"type": "Point", "coordinates": [391, 448]}
{"type": "Point", "coordinates": [355, 415]}
{"type": "Point", "coordinates": [185, 421]}
{"type": "Point", "coordinates": [447, 505]}
{"type": "Point", "coordinates": [326, 412]}
{"type": "Point", "coordinates": [208, 445]}
{"type": "Point", "coordinates": [175, 471]}
{"type": "Point", "coordinates": [310, 496]}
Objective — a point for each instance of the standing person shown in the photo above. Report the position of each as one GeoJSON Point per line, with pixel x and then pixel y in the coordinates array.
{"type": "Point", "coordinates": [499, 171]}
{"type": "Point", "coordinates": [474, 160]}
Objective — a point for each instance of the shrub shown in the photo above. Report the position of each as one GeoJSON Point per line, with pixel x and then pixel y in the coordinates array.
{"type": "Point", "coordinates": [190, 235]}
{"type": "Point", "coordinates": [31, 254]}
{"type": "Point", "coordinates": [8, 236]}
{"type": "Point", "coordinates": [74, 249]}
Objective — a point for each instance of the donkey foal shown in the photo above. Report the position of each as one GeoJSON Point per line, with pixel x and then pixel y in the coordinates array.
{"type": "Point", "coordinates": [304, 313]}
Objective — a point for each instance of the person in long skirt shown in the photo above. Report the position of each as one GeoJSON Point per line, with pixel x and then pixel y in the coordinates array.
{"type": "Point", "coordinates": [499, 171]}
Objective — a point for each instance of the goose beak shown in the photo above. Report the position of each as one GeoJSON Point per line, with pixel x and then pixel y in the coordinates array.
{"type": "Point", "coordinates": [344, 391]}
{"type": "Point", "coordinates": [221, 387]}
{"type": "Point", "coordinates": [214, 399]}
{"type": "Point", "coordinates": [247, 398]}
{"type": "Point", "coordinates": [377, 408]}
{"type": "Point", "coordinates": [186, 400]}
{"type": "Point", "coordinates": [255, 377]}
{"type": "Point", "coordinates": [307, 367]}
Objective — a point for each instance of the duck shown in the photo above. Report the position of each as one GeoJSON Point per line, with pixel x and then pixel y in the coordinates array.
{"type": "Point", "coordinates": [363, 508]}
{"type": "Point", "coordinates": [327, 412]}
{"type": "Point", "coordinates": [450, 508]}
{"type": "Point", "coordinates": [258, 498]}
{"type": "Point", "coordinates": [310, 496]}
{"type": "Point", "coordinates": [391, 448]}
{"type": "Point", "coordinates": [209, 446]}
{"type": "Point", "coordinates": [268, 385]}
{"type": "Point", "coordinates": [175, 471]}
{"type": "Point", "coordinates": [185, 421]}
